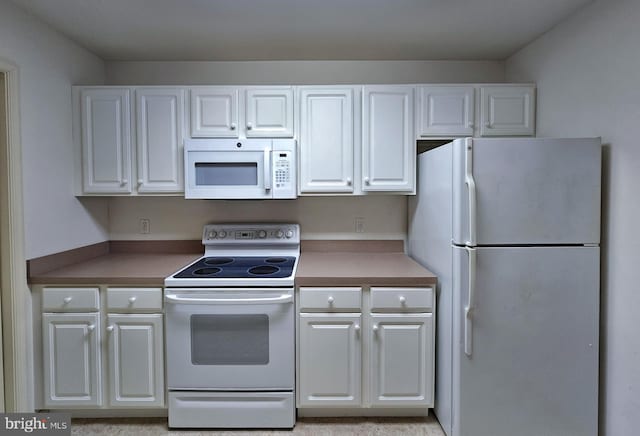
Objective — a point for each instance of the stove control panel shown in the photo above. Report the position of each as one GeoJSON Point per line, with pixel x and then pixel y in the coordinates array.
{"type": "Point", "coordinates": [251, 234]}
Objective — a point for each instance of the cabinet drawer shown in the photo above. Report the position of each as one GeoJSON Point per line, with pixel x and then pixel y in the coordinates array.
{"type": "Point", "coordinates": [70, 299]}
{"type": "Point", "coordinates": [330, 299]}
{"type": "Point", "coordinates": [134, 299]}
{"type": "Point", "coordinates": [402, 299]}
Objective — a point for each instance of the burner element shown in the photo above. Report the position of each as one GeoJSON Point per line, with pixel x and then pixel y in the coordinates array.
{"type": "Point", "coordinates": [218, 260]}
{"type": "Point", "coordinates": [206, 271]}
{"type": "Point", "coordinates": [264, 270]}
{"type": "Point", "coordinates": [275, 260]}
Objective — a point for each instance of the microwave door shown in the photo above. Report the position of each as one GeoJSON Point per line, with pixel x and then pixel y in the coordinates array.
{"type": "Point", "coordinates": [230, 175]}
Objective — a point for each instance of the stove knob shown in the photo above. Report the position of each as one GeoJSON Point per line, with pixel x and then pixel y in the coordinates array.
{"type": "Point", "coordinates": [262, 234]}
{"type": "Point", "coordinates": [222, 234]}
{"type": "Point", "coordinates": [289, 234]}
{"type": "Point", "coordinates": [212, 235]}
{"type": "Point", "coordinates": [279, 234]}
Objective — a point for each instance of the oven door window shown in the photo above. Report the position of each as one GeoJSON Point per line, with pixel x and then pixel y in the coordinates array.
{"type": "Point", "coordinates": [230, 339]}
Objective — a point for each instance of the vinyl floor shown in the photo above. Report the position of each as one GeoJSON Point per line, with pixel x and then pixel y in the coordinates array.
{"type": "Point", "coordinates": [428, 426]}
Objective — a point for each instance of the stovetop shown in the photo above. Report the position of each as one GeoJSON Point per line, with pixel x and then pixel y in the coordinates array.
{"type": "Point", "coordinates": [239, 267]}
{"type": "Point", "coordinates": [239, 255]}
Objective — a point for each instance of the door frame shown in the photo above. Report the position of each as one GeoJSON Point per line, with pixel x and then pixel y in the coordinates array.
{"type": "Point", "coordinates": [15, 291]}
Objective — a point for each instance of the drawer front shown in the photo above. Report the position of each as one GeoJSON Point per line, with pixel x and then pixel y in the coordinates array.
{"type": "Point", "coordinates": [126, 299]}
{"type": "Point", "coordinates": [70, 300]}
{"type": "Point", "coordinates": [331, 299]}
{"type": "Point", "coordinates": [402, 299]}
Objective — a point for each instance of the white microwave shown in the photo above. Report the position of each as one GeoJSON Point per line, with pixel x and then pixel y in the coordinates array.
{"type": "Point", "coordinates": [240, 169]}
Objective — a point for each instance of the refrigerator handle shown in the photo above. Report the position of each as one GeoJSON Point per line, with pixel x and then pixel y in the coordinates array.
{"type": "Point", "coordinates": [471, 189]}
{"type": "Point", "coordinates": [468, 310]}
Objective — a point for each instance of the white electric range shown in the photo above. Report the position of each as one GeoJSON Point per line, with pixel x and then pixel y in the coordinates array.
{"type": "Point", "coordinates": [230, 339]}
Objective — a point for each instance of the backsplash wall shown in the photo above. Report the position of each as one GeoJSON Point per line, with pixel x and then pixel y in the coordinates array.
{"type": "Point", "coordinates": [385, 217]}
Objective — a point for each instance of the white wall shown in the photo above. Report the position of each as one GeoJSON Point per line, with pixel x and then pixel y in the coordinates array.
{"type": "Point", "coordinates": [48, 65]}
{"type": "Point", "coordinates": [301, 72]}
{"type": "Point", "coordinates": [586, 70]}
{"type": "Point", "coordinates": [319, 217]}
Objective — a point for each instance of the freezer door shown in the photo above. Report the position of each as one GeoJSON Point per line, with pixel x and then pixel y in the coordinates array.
{"type": "Point", "coordinates": [516, 191]}
{"type": "Point", "coordinates": [532, 368]}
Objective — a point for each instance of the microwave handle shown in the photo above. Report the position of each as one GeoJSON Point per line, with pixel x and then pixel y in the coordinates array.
{"type": "Point", "coordinates": [267, 170]}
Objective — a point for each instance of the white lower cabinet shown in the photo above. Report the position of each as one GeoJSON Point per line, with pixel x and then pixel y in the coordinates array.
{"type": "Point", "coordinates": [401, 359]}
{"type": "Point", "coordinates": [365, 347]}
{"type": "Point", "coordinates": [96, 360]}
{"type": "Point", "coordinates": [71, 359]}
{"type": "Point", "coordinates": [330, 378]}
{"type": "Point", "coordinates": [136, 370]}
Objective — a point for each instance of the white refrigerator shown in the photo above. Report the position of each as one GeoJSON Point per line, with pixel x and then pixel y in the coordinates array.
{"type": "Point", "coordinates": [511, 227]}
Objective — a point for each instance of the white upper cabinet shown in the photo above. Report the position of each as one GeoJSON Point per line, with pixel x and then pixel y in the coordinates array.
{"type": "Point", "coordinates": [449, 111]}
{"type": "Point", "coordinates": [269, 112]}
{"type": "Point", "coordinates": [105, 140]}
{"type": "Point", "coordinates": [238, 112]}
{"type": "Point", "coordinates": [388, 142]}
{"type": "Point", "coordinates": [160, 136]}
{"type": "Point", "coordinates": [445, 110]}
{"type": "Point", "coordinates": [214, 112]}
{"type": "Point", "coordinates": [352, 139]}
{"type": "Point", "coordinates": [116, 160]}
{"type": "Point", "coordinates": [326, 139]}
{"type": "Point", "coordinates": [507, 110]}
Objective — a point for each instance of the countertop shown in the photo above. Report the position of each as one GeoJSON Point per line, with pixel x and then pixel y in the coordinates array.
{"type": "Point", "coordinates": [361, 268]}
{"type": "Point", "coordinates": [118, 269]}
{"type": "Point", "coordinates": [322, 263]}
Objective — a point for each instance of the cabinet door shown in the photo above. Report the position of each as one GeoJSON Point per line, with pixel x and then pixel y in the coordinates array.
{"type": "Point", "coordinates": [136, 364]}
{"type": "Point", "coordinates": [160, 134]}
{"type": "Point", "coordinates": [106, 141]}
{"type": "Point", "coordinates": [329, 352]}
{"type": "Point", "coordinates": [445, 110]}
{"type": "Point", "coordinates": [401, 359]}
{"type": "Point", "coordinates": [507, 111]}
{"type": "Point", "coordinates": [269, 112]}
{"type": "Point", "coordinates": [71, 359]}
{"type": "Point", "coordinates": [214, 112]}
{"type": "Point", "coordinates": [326, 140]}
{"type": "Point", "coordinates": [388, 142]}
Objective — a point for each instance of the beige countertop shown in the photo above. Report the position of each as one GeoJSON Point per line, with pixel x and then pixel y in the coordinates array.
{"type": "Point", "coordinates": [361, 268]}
{"type": "Point", "coordinates": [322, 263]}
{"type": "Point", "coordinates": [117, 269]}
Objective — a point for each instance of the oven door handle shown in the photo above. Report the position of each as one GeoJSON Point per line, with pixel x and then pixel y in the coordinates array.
{"type": "Point", "coordinates": [173, 298]}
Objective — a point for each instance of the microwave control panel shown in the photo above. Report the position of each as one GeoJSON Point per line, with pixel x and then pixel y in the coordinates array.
{"type": "Point", "coordinates": [283, 165]}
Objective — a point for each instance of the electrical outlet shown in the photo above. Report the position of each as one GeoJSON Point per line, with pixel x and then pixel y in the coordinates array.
{"type": "Point", "coordinates": [359, 224]}
{"type": "Point", "coordinates": [145, 226]}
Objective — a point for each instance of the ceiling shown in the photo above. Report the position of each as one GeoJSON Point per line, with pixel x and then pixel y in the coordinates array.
{"type": "Point", "coordinates": [209, 30]}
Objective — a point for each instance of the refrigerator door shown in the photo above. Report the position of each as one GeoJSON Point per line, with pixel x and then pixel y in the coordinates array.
{"type": "Point", "coordinates": [526, 191]}
{"type": "Point", "coordinates": [531, 367]}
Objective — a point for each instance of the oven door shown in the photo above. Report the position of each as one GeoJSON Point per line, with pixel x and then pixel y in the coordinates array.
{"type": "Point", "coordinates": [230, 339]}
{"type": "Point", "coordinates": [228, 174]}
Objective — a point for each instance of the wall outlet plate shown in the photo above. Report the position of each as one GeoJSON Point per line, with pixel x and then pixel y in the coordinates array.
{"type": "Point", "coordinates": [145, 226]}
